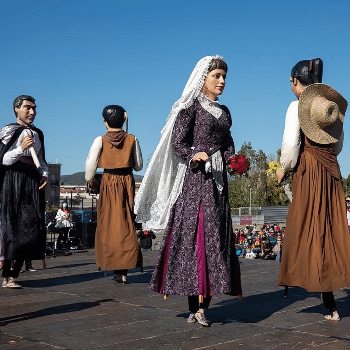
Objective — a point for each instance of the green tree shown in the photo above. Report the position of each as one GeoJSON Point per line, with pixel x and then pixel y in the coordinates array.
{"type": "Point", "coordinates": [346, 186]}
{"type": "Point", "coordinates": [265, 189]}
{"type": "Point", "coordinates": [239, 191]}
{"type": "Point", "coordinates": [275, 192]}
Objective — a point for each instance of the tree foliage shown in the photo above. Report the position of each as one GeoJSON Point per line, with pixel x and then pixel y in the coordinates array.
{"type": "Point", "coordinates": [346, 186]}
{"type": "Point", "coordinates": [275, 194]}
{"type": "Point", "coordinates": [260, 180]}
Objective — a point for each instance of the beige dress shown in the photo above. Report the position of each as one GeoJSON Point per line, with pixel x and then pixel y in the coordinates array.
{"type": "Point", "coordinates": [116, 244]}
{"type": "Point", "coordinates": [317, 242]}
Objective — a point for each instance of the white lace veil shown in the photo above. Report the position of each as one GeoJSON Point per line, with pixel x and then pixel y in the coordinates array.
{"type": "Point", "coordinates": [164, 176]}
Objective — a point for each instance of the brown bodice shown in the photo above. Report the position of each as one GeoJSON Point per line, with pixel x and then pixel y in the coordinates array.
{"type": "Point", "coordinates": [117, 157]}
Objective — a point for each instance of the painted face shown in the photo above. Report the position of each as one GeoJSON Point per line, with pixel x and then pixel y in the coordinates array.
{"type": "Point", "coordinates": [26, 113]}
{"type": "Point", "coordinates": [214, 84]}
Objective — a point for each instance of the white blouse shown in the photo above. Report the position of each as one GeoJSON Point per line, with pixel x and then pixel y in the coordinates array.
{"type": "Point", "coordinates": [60, 222]}
{"type": "Point", "coordinates": [291, 139]}
{"type": "Point", "coordinates": [94, 156]}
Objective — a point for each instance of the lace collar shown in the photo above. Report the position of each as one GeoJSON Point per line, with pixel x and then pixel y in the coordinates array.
{"type": "Point", "coordinates": [210, 106]}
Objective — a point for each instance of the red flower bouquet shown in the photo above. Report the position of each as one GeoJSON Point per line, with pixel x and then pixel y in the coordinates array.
{"type": "Point", "coordinates": [238, 164]}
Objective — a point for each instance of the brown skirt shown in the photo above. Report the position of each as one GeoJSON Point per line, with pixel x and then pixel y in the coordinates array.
{"type": "Point", "coordinates": [116, 244]}
{"type": "Point", "coordinates": [317, 243]}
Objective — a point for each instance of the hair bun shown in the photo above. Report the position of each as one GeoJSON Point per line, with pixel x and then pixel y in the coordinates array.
{"type": "Point", "coordinates": [308, 71]}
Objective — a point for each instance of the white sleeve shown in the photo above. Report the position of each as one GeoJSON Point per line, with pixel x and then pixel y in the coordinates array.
{"type": "Point", "coordinates": [15, 151]}
{"type": "Point", "coordinates": [11, 157]}
{"type": "Point", "coordinates": [338, 146]}
{"type": "Point", "coordinates": [291, 139]}
{"type": "Point", "coordinates": [92, 159]}
{"type": "Point", "coordinates": [137, 155]}
{"type": "Point", "coordinates": [59, 215]}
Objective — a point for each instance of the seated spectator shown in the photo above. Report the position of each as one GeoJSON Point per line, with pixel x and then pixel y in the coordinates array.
{"type": "Point", "coordinates": [347, 200]}
{"type": "Point", "coordinates": [250, 254]}
{"type": "Point", "coordinates": [256, 247]}
{"type": "Point", "coordinates": [236, 233]}
{"type": "Point", "coordinates": [277, 249]}
{"type": "Point", "coordinates": [241, 237]}
{"type": "Point", "coordinates": [257, 243]}
{"type": "Point", "coordinates": [245, 247]}
{"type": "Point", "coordinates": [265, 247]}
{"type": "Point", "coordinates": [255, 230]}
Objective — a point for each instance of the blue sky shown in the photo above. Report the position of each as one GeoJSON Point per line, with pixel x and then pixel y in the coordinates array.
{"type": "Point", "coordinates": [76, 57]}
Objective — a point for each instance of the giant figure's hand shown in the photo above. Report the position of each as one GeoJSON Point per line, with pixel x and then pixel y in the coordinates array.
{"type": "Point", "coordinates": [200, 156]}
{"type": "Point", "coordinates": [27, 142]}
{"type": "Point", "coordinates": [280, 175]}
{"type": "Point", "coordinates": [43, 183]}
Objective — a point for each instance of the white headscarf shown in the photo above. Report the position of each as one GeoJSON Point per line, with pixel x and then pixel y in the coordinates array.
{"type": "Point", "coordinates": [164, 177]}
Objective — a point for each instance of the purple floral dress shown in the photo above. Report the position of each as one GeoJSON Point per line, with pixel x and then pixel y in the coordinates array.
{"type": "Point", "coordinates": [197, 255]}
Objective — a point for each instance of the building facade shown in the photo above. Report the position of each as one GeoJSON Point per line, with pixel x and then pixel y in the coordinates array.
{"type": "Point", "coordinates": [52, 191]}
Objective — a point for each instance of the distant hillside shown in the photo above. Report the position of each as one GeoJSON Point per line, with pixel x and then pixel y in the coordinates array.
{"type": "Point", "coordinates": [78, 179]}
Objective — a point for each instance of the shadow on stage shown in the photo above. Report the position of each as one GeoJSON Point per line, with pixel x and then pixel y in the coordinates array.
{"type": "Point", "coordinates": [259, 307]}
{"type": "Point", "coordinates": [54, 310]}
{"type": "Point", "coordinates": [343, 306]}
{"type": "Point", "coordinates": [69, 266]}
{"type": "Point", "coordinates": [62, 280]}
{"type": "Point", "coordinates": [135, 276]}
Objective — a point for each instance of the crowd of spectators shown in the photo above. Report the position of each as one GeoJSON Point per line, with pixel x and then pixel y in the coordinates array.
{"type": "Point", "coordinates": [255, 242]}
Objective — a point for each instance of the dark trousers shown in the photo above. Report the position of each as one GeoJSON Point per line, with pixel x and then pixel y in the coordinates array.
{"type": "Point", "coordinates": [62, 236]}
{"type": "Point", "coordinates": [194, 305]}
{"type": "Point", "coordinates": [121, 272]}
{"type": "Point", "coordinates": [328, 301]}
{"type": "Point", "coordinates": [29, 264]}
{"type": "Point", "coordinates": [6, 270]}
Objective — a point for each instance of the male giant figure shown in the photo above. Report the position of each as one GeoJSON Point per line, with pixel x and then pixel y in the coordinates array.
{"type": "Point", "coordinates": [22, 197]}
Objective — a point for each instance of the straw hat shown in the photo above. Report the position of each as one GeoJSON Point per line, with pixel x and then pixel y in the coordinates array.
{"type": "Point", "coordinates": [321, 113]}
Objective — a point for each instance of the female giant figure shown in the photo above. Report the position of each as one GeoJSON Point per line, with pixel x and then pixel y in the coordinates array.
{"type": "Point", "coordinates": [317, 242]}
{"type": "Point", "coordinates": [185, 191]}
